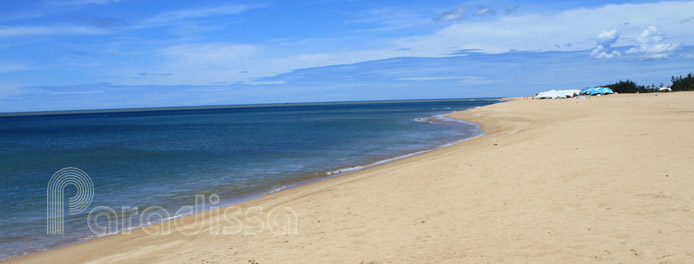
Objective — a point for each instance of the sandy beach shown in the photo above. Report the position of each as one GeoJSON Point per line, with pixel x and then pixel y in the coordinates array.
{"type": "Point", "coordinates": [603, 180]}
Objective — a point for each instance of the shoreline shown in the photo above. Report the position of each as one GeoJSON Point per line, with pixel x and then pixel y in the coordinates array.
{"type": "Point", "coordinates": [305, 182]}
{"type": "Point", "coordinates": [605, 178]}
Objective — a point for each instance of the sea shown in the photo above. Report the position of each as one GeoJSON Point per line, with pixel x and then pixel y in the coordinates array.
{"type": "Point", "coordinates": [165, 157]}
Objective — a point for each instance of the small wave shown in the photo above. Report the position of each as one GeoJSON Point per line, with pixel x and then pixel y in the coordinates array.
{"type": "Point", "coordinates": [356, 168]}
{"type": "Point", "coordinates": [438, 118]}
{"type": "Point", "coordinates": [343, 170]}
{"type": "Point", "coordinates": [274, 190]}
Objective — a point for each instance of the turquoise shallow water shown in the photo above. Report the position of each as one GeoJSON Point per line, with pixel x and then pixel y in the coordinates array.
{"type": "Point", "coordinates": [164, 158]}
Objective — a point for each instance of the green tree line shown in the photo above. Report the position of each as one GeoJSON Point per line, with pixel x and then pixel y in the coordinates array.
{"type": "Point", "coordinates": [628, 87]}
{"type": "Point", "coordinates": [681, 83]}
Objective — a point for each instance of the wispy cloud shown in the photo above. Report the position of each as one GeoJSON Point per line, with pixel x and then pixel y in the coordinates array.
{"type": "Point", "coordinates": [461, 12]}
{"type": "Point", "coordinates": [211, 53]}
{"type": "Point", "coordinates": [77, 92]}
{"type": "Point", "coordinates": [460, 80]}
{"type": "Point", "coordinates": [430, 78]}
{"type": "Point", "coordinates": [18, 31]}
{"type": "Point", "coordinates": [485, 11]}
{"type": "Point", "coordinates": [200, 63]}
{"type": "Point", "coordinates": [79, 2]}
{"type": "Point", "coordinates": [476, 81]}
{"type": "Point", "coordinates": [201, 12]}
{"type": "Point", "coordinates": [453, 14]}
{"type": "Point", "coordinates": [22, 15]}
{"type": "Point", "coordinates": [8, 90]}
{"type": "Point", "coordinates": [387, 19]}
{"type": "Point", "coordinates": [10, 66]}
{"type": "Point", "coordinates": [101, 22]}
{"type": "Point", "coordinates": [265, 82]}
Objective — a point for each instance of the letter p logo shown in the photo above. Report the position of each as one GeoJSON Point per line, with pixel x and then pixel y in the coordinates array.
{"type": "Point", "coordinates": [55, 193]}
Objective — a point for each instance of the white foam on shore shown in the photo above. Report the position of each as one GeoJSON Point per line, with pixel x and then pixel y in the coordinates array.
{"type": "Point", "coordinates": [441, 117]}
{"type": "Point", "coordinates": [342, 171]}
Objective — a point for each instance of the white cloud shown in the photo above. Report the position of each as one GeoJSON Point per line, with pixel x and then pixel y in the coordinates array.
{"type": "Point", "coordinates": [77, 92]}
{"type": "Point", "coordinates": [22, 15]}
{"type": "Point", "coordinates": [232, 63]}
{"type": "Point", "coordinates": [650, 45]}
{"type": "Point", "coordinates": [453, 14]}
{"type": "Point", "coordinates": [542, 32]}
{"type": "Point", "coordinates": [429, 78]}
{"type": "Point", "coordinates": [265, 82]}
{"type": "Point", "coordinates": [463, 80]}
{"type": "Point", "coordinates": [607, 38]}
{"type": "Point", "coordinates": [200, 12]}
{"type": "Point", "coordinates": [80, 2]}
{"type": "Point", "coordinates": [604, 43]}
{"type": "Point", "coordinates": [485, 11]}
{"type": "Point", "coordinates": [601, 52]}
{"type": "Point", "coordinates": [476, 81]}
{"type": "Point", "coordinates": [17, 31]}
{"type": "Point", "coordinates": [9, 66]}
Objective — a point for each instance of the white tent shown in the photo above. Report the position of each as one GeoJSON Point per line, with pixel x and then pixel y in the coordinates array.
{"type": "Point", "coordinates": [558, 94]}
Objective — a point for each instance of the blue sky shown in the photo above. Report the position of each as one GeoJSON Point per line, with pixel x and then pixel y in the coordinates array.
{"type": "Point", "coordinates": [95, 54]}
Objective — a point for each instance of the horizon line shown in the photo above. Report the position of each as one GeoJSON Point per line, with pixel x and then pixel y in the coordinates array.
{"type": "Point", "coordinates": [229, 106]}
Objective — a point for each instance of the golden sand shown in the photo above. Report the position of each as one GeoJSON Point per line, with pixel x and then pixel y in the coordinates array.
{"type": "Point", "coordinates": [609, 179]}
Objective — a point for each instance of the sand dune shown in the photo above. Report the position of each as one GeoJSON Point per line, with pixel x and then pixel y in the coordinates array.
{"type": "Point", "coordinates": [610, 179]}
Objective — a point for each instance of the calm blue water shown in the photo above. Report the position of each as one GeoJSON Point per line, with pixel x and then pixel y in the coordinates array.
{"type": "Point", "coordinates": [164, 158]}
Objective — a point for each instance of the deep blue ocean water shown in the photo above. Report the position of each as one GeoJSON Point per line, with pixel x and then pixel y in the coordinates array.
{"type": "Point", "coordinates": [164, 158]}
